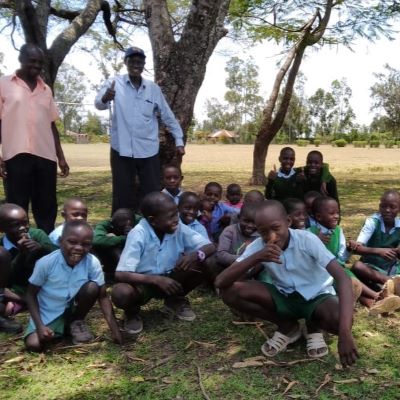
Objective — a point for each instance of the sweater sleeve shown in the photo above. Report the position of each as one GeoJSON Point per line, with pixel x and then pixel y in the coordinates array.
{"type": "Point", "coordinates": [224, 255]}
{"type": "Point", "coordinates": [102, 237]}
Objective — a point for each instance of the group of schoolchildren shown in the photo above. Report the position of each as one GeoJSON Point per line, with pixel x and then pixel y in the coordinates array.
{"type": "Point", "coordinates": [281, 260]}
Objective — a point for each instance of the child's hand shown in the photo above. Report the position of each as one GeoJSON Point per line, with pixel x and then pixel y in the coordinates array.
{"type": "Point", "coordinates": [225, 220]}
{"type": "Point", "coordinates": [301, 177]}
{"type": "Point", "coordinates": [185, 261]}
{"type": "Point", "coordinates": [28, 245]}
{"type": "Point", "coordinates": [272, 174]}
{"type": "Point", "coordinates": [347, 350]}
{"type": "Point", "coordinates": [325, 238]}
{"type": "Point", "coordinates": [168, 285]}
{"type": "Point", "coordinates": [116, 336]}
{"type": "Point", "coordinates": [271, 252]}
{"type": "Point", "coordinates": [387, 254]}
{"type": "Point", "coordinates": [352, 245]}
{"type": "Point", "coordinates": [45, 334]}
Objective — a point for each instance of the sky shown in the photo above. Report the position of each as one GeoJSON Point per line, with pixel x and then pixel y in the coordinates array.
{"type": "Point", "coordinates": [319, 67]}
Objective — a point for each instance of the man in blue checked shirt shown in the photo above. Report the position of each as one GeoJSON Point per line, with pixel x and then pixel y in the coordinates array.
{"type": "Point", "coordinates": [137, 103]}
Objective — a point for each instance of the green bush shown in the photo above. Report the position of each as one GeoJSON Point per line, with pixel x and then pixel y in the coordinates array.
{"type": "Point", "coordinates": [374, 143]}
{"type": "Point", "coordinates": [340, 143]}
{"type": "Point", "coordinates": [317, 142]}
{"type": "Point", "coordinates": [398, 143]}
{"type": "Point", "coordinates": [302, 142]}
{"type": "Point", "coordinates": [360, 143]}
{"type": "Point", "coordinates": [389, 144]}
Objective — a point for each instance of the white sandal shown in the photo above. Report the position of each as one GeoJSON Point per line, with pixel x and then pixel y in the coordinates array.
{"type": "Point", "coordinates": [279, 343]}
{"type": "Point", "coordinates": [316, 341]}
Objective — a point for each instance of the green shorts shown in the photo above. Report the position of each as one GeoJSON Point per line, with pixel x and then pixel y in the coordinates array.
{"type": "Point", "coordinates": [294, 305]}
{"type": "Point", "coordinates": [57, 326]}
{"type": "Point", "coordinates": [395, 270]}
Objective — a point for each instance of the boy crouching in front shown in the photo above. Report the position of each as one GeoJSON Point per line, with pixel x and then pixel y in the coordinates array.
{"type": "Point", "coordinates": [301, 270]}
{"type": "Point", "coordinates": [64, 287]}
{"type": "Point", "coordinates": [162, 258]}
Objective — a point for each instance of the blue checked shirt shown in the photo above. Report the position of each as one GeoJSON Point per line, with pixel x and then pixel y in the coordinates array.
{"type": "Point", "coordinates": [134, 131]}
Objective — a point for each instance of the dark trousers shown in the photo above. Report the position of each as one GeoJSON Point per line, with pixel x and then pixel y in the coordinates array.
{"type": "Point", "coordinates": [124, 170]}
{"type": "Point", "coordinates": [33, 179]}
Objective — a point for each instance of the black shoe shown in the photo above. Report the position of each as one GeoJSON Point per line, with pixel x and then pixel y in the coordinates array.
{"type": "Point", "coordinates": [9, 326]}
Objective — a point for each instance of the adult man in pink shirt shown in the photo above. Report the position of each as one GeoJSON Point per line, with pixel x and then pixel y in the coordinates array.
{"type": "Point", "coordinates": [30, 140]}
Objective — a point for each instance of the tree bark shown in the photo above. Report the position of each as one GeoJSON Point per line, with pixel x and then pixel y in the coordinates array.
{"type": "Point", "coordinates": [274, 113]}
{"type": "Point", "coordinates": [180, 65]}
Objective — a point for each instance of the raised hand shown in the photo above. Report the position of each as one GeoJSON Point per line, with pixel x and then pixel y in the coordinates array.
{"type": "Point", "coordinates": [273, 174]}
{"type": "Point", "coordinates": [109, 94]}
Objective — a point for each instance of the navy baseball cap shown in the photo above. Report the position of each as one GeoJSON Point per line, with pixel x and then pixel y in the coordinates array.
{"type": "Point", "coordinates": [134, 51]}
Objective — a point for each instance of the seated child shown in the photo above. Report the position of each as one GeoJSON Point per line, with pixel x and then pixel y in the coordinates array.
{"type": "Point", "coordinates": [205, 218]}
{"type": "Point", "coordinates": [234, 196]}
{"type": "Point", "coordinates": [302, 271]}
{"type": "Point", "coordinates": [73, 209]}
{"type": "Point", "coordinates": [378, 244]}
{"type": "Point", "coordinates": [296, 209]}
{"type": "Point", "coordinates": [251, 197]}
{"type": "Point", "coordinates": [221, 213]}
{"type": "Point", "coordinates": [313, 177]}
{"type": "Point", "coordinates": [309, 198]}
{"type": "Point", "coordinates": [162, 258]}
{"type": "Point", "coordinates": [110, 237]}
{"type": "Point", "coordinates": [189, 207]}
{"type": "Point", "coordinates": [20, 247]}
{"type": "Point", "coordinates": [233, 241]}
{"type": "Point", "coordinates": [326, 212]}
{"type": "Point", "coordinates": [289, 181]}
{"type": "Point", "coordinates": [171, 180]}
{"type": "Point", "coordinates": [64, 287]}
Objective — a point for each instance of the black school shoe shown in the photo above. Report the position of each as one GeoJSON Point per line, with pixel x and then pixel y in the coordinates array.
{"type": "Point", "coordinates": [9, 326]}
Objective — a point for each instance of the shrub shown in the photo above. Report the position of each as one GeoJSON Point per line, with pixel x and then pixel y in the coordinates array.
{"type": "Point", "coordinates": [360, 143]}
{"type": "Point", "coordinates": [340, 143]}
{"type": "Point", "coordinates": [389, 144]}
{"type": "Point", "coordinates": [374, 143]}
{"type": "Point", "coordinates": [302, 142]}
{"type": "Point", "coordinates": [317, 142]}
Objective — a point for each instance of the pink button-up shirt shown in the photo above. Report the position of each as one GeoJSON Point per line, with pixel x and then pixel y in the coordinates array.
{"type": "Point", "coordinates": [26, 118]}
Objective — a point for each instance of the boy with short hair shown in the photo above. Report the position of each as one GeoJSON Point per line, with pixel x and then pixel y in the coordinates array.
{"type": "Point", "coordinates": [234, 196]}
{"type": "Point", "coordinates": [172, 180]}
{"type": "Point", "coordinates": [110, 237]}
{"type": "Point", "coordinates": [64, 287]}
{"type": "Point", "coordinates": [189, 207]}
{"type": "Point", "coordinates": [20, 247]}
{"type": "Point", "coordinates": [221, 214]}
{"type": "Point", "coordinates": [74, 209]}
{"type": "Point", "coordinates": [302, 272]}
{"type": "Point", "coordinates": [378, 244]}
{"type": "Point", "coordinates": [162, 258]}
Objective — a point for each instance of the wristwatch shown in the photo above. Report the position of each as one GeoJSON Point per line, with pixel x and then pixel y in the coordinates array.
{"type": "Point", "coordinates": [201, 256]}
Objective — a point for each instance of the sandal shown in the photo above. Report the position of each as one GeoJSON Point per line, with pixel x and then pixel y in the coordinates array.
{"type": "Point", "coordinates": [315, 342]}
{"type": "Point", "coordinates": [279, 342]}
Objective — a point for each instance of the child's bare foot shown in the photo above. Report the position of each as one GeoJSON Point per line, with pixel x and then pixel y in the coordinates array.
{"type": "Point", "coordinates": [366, 301]}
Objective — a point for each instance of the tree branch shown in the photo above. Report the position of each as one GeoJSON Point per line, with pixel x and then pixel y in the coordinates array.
{"type": "Point", "coordinates": [64, 14]}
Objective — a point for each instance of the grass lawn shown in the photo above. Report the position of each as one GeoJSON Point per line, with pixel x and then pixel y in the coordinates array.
{"type": "Point", "coordinates": [166, 360]}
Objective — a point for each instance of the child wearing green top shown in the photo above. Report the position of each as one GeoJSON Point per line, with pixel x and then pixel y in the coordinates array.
{"type": "Point", "coordinates": [110, 237]}
{"type": "Point", "coordinates": [289, 181]}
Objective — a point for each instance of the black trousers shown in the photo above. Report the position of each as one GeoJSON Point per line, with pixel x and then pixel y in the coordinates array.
{"type": "Point", "coordinates": [126, 192]}
{"type": "Point", "coordinates": [33, 179]}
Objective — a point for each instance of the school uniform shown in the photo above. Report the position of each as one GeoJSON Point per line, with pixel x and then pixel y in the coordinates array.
{"type": "Point", "coordinates": [176, 197]}
{"type": "Point", "coordinates": [198, 227]}
{"type": "Point", "coordinates": [59, 284]}
{"type": "Point", "coordinates": [55, 235]}
{"type": "Point", "coordinates": [301, 282]}
{"type": "Point", "coordinates": [220, 209]}
{"type": "Point", "coordinates": [284, 186]}
{"type": "Point", "coordinates": [373, 234]}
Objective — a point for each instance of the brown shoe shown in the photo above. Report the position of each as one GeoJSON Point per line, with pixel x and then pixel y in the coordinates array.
{"type": "Point", "coordinates": [386, 305]}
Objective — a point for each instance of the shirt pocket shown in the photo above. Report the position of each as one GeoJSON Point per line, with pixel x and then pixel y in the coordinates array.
{"type": "Point", "coordinates": [148, 108]}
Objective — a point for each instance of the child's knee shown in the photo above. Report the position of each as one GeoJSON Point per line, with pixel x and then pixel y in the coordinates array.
{"type": "Point", "coordinates": [32, 343]}
{"type": "Point", "coordinates": [122, 294]}
{"type": "Point", "coordinates": [230, 294]}
{"type": "Point", "coordinates": [358, 266]}
{"type": "Point", "coordinates": [90, 289]}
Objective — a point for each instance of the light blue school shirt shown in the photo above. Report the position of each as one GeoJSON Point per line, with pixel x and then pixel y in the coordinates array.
{"type": "Point", "coordinates": [220, 209]}
{"type": "Point", "coordinates": [59, 283]}
{"type": "Point", "coordinates": [175, 198]}
{"type": "Point", "coordinates": [303, 267]}
{"type": "Point", "coordinates": [55, 236]}
{"type": "Point", "coordinates": [134, 130]}
{"type": "Point", "coordinates": [199, 228]}
{"type": "Point", "coordinates": [145, 254]}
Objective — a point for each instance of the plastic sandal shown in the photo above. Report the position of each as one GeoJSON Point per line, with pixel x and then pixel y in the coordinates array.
{"type": "Point", "coordinates": [279, 343]}
{"type": "Point", "coordinates": [316, 341]}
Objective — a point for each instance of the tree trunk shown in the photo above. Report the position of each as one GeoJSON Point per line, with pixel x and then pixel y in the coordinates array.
{"type": "Point", "coordinates": [180, 65]}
